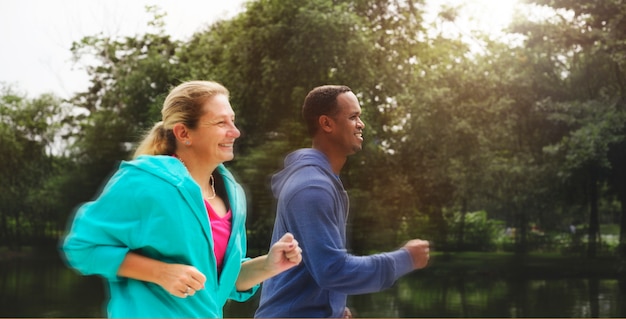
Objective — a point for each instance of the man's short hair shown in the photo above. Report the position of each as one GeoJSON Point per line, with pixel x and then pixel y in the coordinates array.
{"type": "Point", "coordinates": [322, 100]}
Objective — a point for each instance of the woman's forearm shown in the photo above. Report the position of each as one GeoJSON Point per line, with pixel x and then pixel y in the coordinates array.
{"type": "Point", "coordinates": [283, 255]}
{"type": "Point", "coordinates": [179, 280]}
{"type": "Point", "coordinates": [139, 267]}
{"type": "Point", "coordinates": [253, 272]}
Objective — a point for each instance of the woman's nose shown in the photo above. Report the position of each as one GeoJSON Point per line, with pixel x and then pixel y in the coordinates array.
{"type": "Point", "coordinates": [234, 132]}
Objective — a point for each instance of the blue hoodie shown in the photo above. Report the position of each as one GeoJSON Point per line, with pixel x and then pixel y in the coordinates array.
{"type": "Point", "coordinates": [152, 206]}
{"type": "Point", "coordinates": [313, 206]}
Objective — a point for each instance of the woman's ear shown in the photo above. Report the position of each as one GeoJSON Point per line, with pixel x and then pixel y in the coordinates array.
{"type": "Point", "coordinates": [181, 133]}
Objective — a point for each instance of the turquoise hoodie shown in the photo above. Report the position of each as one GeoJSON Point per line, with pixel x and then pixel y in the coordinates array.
{"type": "Point", "coordinates": [152, 206]}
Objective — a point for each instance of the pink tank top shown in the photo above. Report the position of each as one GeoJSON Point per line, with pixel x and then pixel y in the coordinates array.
{"type": "Point", "coordinates": [221, 227]}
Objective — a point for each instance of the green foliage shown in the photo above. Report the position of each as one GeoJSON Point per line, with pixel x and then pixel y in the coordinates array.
{"type": "Point", "coordinates": [596, 126]}
{"type": "Point", "coordinates": [269, 57]}
{"type": "Point", "coordinates": [531, 134]}
{"type": "Point", "coordinates": [129, 80]}
{"type": "Point", "coordinates": [474, 231]}
{"type": "Point", "coordinates": [272, 54]}
{"type": "Point", "coordinates": [28, 131]}
{"type": "Point", "coordinates": [582, 47]}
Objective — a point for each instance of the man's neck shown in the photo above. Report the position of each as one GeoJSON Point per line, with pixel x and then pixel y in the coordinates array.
{"type": "Point", "coordinates": [336, 161]}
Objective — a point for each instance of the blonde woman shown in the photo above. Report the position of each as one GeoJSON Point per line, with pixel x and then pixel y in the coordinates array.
{"type": "Point", "coordinates": [168, 230]}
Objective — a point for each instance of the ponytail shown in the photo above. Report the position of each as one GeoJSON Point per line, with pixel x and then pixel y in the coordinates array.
{"type": "Point", "coordinates": [158, 141]}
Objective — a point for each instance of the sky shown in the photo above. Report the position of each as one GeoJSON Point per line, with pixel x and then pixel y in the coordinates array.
{"type": "Point", "coordinates": [36, 35]}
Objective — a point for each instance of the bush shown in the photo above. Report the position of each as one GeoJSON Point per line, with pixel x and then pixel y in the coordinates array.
{"type": "Point", "coordinates": [474, 231]}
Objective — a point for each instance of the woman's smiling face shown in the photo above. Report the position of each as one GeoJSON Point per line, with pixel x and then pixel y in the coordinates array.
{"type": "Point", "coordinates": [216, 133]}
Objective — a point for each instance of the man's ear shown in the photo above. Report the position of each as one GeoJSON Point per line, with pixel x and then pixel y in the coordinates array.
{"type": "Point", "coordinates": [326, 123]}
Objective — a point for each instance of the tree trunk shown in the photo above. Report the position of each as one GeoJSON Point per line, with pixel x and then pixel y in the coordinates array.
{"type": "Point", "coordinates": [461, 235]}
{"type": "Point", "coordinates": [440, 224]}
{"type": "Point", "coordinates": [522, 240]}
{"type": "Point", "coordinates": [594, 226]}
{"type": "Point", "coordinates": [617, 156]}
{"type": "Point", "coordinates": [621, 248]}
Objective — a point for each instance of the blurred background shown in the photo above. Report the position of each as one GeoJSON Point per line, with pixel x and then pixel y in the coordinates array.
{"type": "Point", "coordinates": [495, 129]}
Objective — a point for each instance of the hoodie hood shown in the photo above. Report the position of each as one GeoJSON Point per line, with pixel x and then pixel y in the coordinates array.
{"type": "Point", "coordinates": [297, 160]}
{"type": "Point", "coordinates": [173, 171]}
{"type": "Point", "coordinates": [165, 167]}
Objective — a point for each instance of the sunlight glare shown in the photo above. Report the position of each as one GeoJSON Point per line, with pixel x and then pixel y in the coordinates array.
{"type": "Point", "coordinates": [491, 16]}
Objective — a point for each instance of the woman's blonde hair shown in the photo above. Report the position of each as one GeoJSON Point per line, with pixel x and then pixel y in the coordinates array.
{"type": "Point", "coordinates": [184, 104]}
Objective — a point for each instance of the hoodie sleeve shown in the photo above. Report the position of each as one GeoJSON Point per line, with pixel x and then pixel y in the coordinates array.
{"type": "Point", "coordinates": [103, 231]}
{"type": "Point", "coordinates": [315, 223]}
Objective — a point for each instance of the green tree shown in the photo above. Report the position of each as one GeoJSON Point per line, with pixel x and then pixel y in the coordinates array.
{"type": "Point", "coordinates": [269, 57]}
{"type": "Point", "coordinates": [29, 130]}
{"type": "Point", "coordinates": [128, 82]}
{"type": "Point", "coordinates": [583, 47]}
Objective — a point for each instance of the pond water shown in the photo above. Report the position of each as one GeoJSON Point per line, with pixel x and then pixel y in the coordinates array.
{"type": "Point", "coordinates": [46, 288]}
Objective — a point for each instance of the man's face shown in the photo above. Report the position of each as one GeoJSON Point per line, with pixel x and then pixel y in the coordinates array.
{"type": "Point", "coordinates": [348, 134]}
